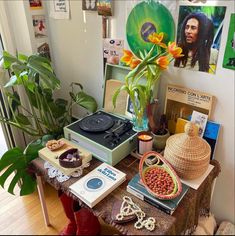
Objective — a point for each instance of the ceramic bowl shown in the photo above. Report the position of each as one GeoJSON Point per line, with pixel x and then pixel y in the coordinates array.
{"type": "Point", "coordinates": [70, 158]}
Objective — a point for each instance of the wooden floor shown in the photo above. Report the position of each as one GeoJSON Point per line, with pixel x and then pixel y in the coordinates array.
{"type": "Point", "coordinates": [23, 215]}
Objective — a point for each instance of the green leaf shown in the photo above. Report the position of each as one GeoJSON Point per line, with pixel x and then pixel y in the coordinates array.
{"type": "Point", "coordinates": [14, 181]}
{"type": "Point", "coordinates": [117, 92]}
{"type": "Point", "coordinates": [11, 82]}
{"type": "Point", "coordinates": [86, 101]}
{"type": "Point", "coordinates": [23, 58]}
{"type": "Point", "coordinates": [13, 99]}
{"type": "Point", "coordinates": [18, 68]}
{"type": "Point", "coordinates": [10, 157]}
{"type": "Point", "coordinates": [22, 119]}
{"type": "Point", "coordinates": [17, 161]}
{"type": "Point", "coordinates": [31, 151]}
{"type": "Point", "coordinates": [8, 59]}
{"type": "Point", "coordinates": [28, 185]}
{"type": "Point", "coordinates": [9, 171]}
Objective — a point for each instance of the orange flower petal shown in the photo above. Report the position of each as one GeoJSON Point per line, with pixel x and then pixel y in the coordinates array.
{"type": "Point", "coordinates": [174, 50]}
{"type": "Point", "coordinates": [163, 62]}
{"type": "Point", "coordinates": [127, 57]}
{"type": "Point", "coordinates": [156, 38]}
{"type": "Point", "coordinates": [134, 63]}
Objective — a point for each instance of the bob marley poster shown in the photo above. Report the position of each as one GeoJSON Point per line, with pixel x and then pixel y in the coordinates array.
{"type": "Point", "coordinates": [199, 35]}
{"type": "Point", "coordinates": [229, 55]}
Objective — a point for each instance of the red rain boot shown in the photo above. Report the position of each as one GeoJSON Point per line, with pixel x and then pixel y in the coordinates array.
{"type": "Point", "coordinates": [87, 222]}
{"type": "Point", "coordinates": [68, 204]}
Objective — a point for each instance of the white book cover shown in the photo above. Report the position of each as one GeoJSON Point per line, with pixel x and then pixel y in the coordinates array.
{"type": "Point", "coordinates": [200, 120]}
{"type": "Point", "coordinates": [97, 184]}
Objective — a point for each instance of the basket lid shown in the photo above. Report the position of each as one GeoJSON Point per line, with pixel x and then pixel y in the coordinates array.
{"type": "Point", "coordinates": [188, 145]}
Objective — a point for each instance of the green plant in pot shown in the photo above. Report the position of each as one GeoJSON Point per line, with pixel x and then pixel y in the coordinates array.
{"type": "Point", "coordinates": [141, 81]}
{"type": "Point", "coordinates": [43, 118]}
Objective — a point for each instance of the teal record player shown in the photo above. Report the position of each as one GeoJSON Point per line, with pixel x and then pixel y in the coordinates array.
{"type": "Point", "coordinates": [108, 136]}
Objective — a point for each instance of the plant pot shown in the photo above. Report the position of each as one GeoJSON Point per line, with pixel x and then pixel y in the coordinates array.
{"type": "Point", "coordinates": [159, 141]}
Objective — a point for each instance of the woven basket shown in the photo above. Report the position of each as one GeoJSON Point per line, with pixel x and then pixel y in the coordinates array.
{"type": "Point", "coordinates": [187, 153]}
{"type": "Point", "coordinates": [153, 160]}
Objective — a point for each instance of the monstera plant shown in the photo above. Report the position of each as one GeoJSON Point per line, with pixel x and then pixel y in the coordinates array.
{"type": "Point", "coordinates": [43, 117]}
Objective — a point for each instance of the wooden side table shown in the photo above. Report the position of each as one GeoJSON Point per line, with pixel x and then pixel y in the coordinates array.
{"type": "Point", "coordinates": [183, 220]}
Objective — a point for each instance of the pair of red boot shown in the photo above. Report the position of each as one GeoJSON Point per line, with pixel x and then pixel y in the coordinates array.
{"type": "Point", "coordinates": [82, 221]}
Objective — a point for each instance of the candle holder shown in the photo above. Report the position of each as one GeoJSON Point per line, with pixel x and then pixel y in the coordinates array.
{"type": "Point", "coordinates": [144, 142]}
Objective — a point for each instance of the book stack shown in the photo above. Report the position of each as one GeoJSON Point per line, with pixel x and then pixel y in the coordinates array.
{"type": "Point", "coordinates": [97, 184]}
{"type": "Point", "coordinates": [136, 188]}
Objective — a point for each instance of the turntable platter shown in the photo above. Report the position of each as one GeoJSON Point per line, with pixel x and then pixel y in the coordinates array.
{"type": "Point", "coordinates": [96, 123]}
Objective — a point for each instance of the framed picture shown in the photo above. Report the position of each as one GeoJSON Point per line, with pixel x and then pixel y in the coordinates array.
{"type": "Point", "coordinates": [104, 7]}
{"type": "Point", "coordinates": [89, 5]}
{"type": "Point", "coordinates": [44, 50]}
{"type": "Point", "coordinates": [35, 4]}
{"type": "Point", "coordinates": [229, 55]}
{"type": "Point", "coordinates": [129, 108]}
{"type": "Point", "coordinates": [199, 35]}
{"type": "Point", "coordinates": [39, 25]}
{"type": "Point", "coordinates": [113, 49]}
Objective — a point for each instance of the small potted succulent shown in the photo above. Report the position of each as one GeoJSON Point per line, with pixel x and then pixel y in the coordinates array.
{"type": "Point", "coordinates": [161, 134]}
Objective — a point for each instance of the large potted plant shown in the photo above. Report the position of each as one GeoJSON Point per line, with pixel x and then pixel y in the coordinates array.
{"type": "Point", "coordinates": [145, 73]}
{"type": "Point", "coordinates": [42, 119]}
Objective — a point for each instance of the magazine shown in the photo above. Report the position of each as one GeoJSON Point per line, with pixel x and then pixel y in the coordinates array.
{"type": "Point", "coordinates": [97, 184]}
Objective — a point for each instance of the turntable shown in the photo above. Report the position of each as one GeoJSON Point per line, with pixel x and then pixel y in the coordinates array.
{"type": "Point", "coordinates": [108, 137]}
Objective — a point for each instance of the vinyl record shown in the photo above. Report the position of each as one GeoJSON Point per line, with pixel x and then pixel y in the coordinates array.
{"type": "Point", "coordinates": [144, 19]}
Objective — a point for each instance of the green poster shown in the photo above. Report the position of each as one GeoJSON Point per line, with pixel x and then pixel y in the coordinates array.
{"type": "Point", "coordinates": [229, 55]}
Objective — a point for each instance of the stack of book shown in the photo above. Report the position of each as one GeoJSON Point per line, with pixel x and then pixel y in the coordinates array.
{"type": "Point", "coordinates": [136, 188]}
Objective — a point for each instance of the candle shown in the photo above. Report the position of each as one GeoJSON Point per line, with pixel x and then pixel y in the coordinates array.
{"type": "Point", "coordinates": [145, 142]}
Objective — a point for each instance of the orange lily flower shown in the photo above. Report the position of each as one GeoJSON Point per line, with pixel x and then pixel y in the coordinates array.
{"type": "Point", "coordinates": [163, 62]}
{"type": "Point", "coordinates": [135, 62]}
{"type": "Point", "coordinates": [157, 39]}
{"type": "Point", "coordinates": [174, 50]}
{"type": "Point", "coordinates": [127, 57]}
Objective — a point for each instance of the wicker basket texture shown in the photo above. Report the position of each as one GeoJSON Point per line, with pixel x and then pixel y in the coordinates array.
{"type": "Point", "coordinates": [188, 154]}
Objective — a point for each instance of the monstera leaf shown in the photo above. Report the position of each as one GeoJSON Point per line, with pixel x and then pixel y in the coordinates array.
{"type": "Point", "coordinates": [16, 161]}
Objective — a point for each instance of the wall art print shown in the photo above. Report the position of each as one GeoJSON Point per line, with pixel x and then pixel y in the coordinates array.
{"type": "Point", "coordinates": [229, 55]}
{"type": "Point", "coordinates": [39, 25]}
{"type": "Point", "coordinates": [35, 4]}
{"type": "Point", "coordinates": [104, 7]}
{"type": "Point", "coordinates": [199, 35]}
{"type": "Point", "coordinates": [89, 5]}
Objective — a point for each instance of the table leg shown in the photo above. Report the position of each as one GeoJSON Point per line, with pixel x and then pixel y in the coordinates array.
{"type": "Point", "coordinates": [42, 200]}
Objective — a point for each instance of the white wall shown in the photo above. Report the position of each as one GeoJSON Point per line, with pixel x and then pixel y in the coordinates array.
{"type": "Point", "coordinates": [76, 48]}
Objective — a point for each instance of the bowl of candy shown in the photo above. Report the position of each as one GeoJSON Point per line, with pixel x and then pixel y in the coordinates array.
{"type": "Point", "coordinates": [70, 158]}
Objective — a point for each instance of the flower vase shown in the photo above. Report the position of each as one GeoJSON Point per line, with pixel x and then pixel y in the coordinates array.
{"type": "Point", "coordinates": [140, 122]}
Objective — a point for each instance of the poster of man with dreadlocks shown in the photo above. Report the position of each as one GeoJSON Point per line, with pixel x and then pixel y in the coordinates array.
{"type": "Point", "coordinates": [198, 34]}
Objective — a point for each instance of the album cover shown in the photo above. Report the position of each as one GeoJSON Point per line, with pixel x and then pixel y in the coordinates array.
{"type": "Point", "coordinates": [97, 184]}
{"type": "Point", "coordinates": [181, 102]}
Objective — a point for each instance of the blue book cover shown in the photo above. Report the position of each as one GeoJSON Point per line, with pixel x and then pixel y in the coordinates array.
{"type": "Point", "coordinates": [211, 135]}
{"type": "Point", "coordinates": [166, 205]}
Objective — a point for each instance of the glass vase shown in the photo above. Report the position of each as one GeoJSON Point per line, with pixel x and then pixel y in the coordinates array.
{"type": "Point", "coordinates": [140, 122]}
